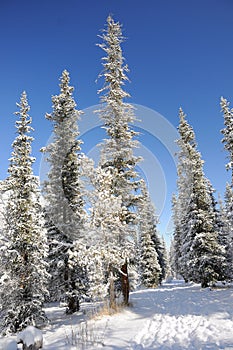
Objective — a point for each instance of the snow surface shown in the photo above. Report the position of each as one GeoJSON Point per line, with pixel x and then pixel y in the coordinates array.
{"type": "Point", "coordinates": [8, 344]}
{"type": "Point", "coordinates": [175, 316]}
{"type": "Point", "coordinates": [30, 335]}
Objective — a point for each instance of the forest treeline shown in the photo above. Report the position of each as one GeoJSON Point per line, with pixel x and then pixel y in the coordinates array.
{"type": "Point", "coordinates": [89, 232]}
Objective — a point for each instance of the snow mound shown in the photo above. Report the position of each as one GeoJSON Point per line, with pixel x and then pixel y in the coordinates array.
{"type": "Point", "coordinates": [30, 336]}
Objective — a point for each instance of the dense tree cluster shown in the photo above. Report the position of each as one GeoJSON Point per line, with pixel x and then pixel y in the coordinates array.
{"type": "Point", "coordinates": [90, 231]}
{"type": "Point", "coordinates": [80, 234]}
{"type": "Point", "coordinates": [202, 244]}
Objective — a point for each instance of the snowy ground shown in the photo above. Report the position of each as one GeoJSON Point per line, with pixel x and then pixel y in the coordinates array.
{"type": "Point", "coordinates": [174, 316]}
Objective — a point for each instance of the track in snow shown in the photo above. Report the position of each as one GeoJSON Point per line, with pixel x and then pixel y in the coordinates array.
{"type": "Point", "coordinates": [176, 316]}
{"type": "Point", "coordinates": [183, 332]}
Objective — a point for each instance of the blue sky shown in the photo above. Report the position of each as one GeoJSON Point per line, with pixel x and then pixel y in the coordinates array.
{"type": "Point", "coordinates": [179, 54]}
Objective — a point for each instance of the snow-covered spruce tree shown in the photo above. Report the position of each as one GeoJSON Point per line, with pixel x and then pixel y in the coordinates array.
{"type": "Point", "coordinates": [226, 229]}
{"type": "Point", "coordinates": [63, 187]}
{"type": "Point", "coordinates": [150, 268]}
{"type": "Point", "coordinates": [64, 203]}
{"type": "Point", "coordinates": [161, 250]}
{"type": "Point", "coordinates": [164, 262]}
{"type": "Point", "coordinates": [214, 203]}
{"type": "Point", "coordinates": [228, 145]}
{"type": "Point", "coordinates": [172, 262]}
{"type": "Point", "coordinates": [23, 284]}
{"type": "Point", "coordinates": [96, 273]}
{"type": "Point", "coordinates": [176, 245]}
{"type": "Point", "coordinates": [89, 252]}
{"type": "Point", "coordinates": [181, 201]}
{"type": "Point", "coordinates": [228, 133]}
{"type": "Point", "coordinates": [90, 258]}
{"type": "Point", "coordinates": [110, 232]}
{"type": "Point", "coordinates": [2, 212]}
{"type": "Point", "coordinates": [207, 255]}
{"type": "Point", "coordinates": [117, 150]}
{"type": "Point", "coordinates": [201, 254]}
{"type": "Point", "coordinates": [222, 227]}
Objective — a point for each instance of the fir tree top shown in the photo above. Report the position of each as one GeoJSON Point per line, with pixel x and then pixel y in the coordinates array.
{"type": "Point", "coordinates": [21, 161]}
{"type": "Point", "coordinates": [185, 130]}
{"type": "Point", "coordinates": [117, 150]}
{"type": "Point", "coordinates": [114, 70]}
{"type": "Point", "coordinates": [228, 132]}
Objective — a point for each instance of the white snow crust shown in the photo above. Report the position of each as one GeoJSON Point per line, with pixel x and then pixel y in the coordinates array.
{"type": "Point", "coordinates": [30, 336]}
{"type": "Point", "coordinates": [175, 316]}
{"type": "Point", "coordinates": [9, 344]}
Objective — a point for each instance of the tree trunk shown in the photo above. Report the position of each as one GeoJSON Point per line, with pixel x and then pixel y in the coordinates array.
{"type": "Point", "coordinates": [125, 283]}
{"type": "Point", "coordinates": [204, 284]}
{"type": "Point", "coordinates": [72, 304]}
{"type": "Point", "coordinates": [112, 294]}
{"type": "Point", "coordinates": [70, 290]}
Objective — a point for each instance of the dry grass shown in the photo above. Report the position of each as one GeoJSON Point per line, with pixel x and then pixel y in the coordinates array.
{"type": "Point", "coordinates": [106, 310]}
{"type": "Point", "coordinates": [87, 333]}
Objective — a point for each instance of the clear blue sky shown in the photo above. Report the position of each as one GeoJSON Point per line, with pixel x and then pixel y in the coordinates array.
{"type": "Point", "coordinates": [179, 54]}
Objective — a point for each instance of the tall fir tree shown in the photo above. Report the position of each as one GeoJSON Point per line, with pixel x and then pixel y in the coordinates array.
{"type": "Point", "coordinates": [228, 133]}
{"type": "Point", "coordinates": [151, 270]}
{"type": "Point", "coordinates": [228, 210]}
{"type": "Point", "coordinates": [163, 259]}
{"type": "Point", "coordinates": [176, 244]}
{"type": "Point", "coordinates": [172, 260]}
{"type": "Point", "coordinates": [63, 192]}
{"type": "Point", "coordinates": [202, 257]}
{"type": "Point", "coordinates": [117, 150]}
{"type": "Point", "coordinates": [226, 230]}
{"type": "Point", "coordinates": [2, 212]}
{"type": "Point", "coordinates": [112, 235]}
{"type": "Point", "coordinates": [181, 201]}
{"type": "Point", "coordinates": [23, 285]}
{"type": "Point", "coordinates": [63, 187]}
